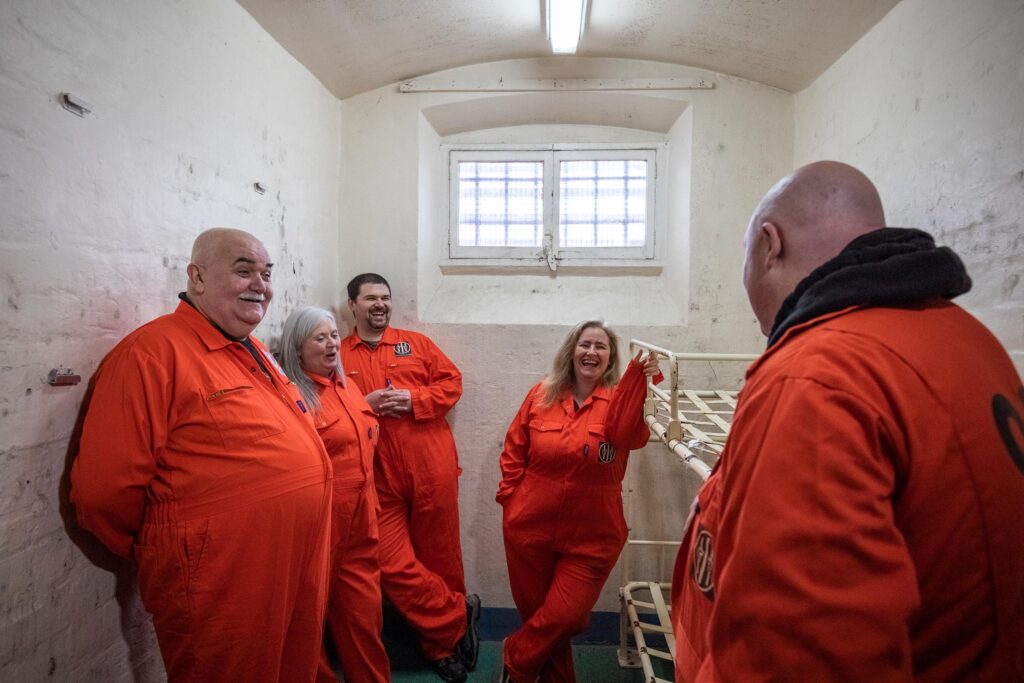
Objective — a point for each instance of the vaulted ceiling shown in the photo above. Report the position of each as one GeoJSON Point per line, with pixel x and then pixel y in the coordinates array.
{"type": "Point", "coordinates": [357, 45]}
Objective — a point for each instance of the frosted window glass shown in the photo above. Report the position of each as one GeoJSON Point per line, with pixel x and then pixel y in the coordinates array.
{"type": "Point", "coordinates": [501, 204]}
{"type": "Point", "coordinates": [603, 203]}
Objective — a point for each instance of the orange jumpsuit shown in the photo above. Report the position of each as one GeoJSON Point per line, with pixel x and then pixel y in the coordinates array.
{"type": "Point", "coordinates": [416, 475]}
{"type": "Point", "coordinates": [561, 489]}
{"type": "Point", "coordinates": [864, 521]}
{"type": "Point", "coordinates": [349, 430]}
{"type": "Point", "coordinates": [209, 474]}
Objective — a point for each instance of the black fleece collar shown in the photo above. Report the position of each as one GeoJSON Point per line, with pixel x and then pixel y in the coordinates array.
{"type": "Point", "coordinates": [886, 267]}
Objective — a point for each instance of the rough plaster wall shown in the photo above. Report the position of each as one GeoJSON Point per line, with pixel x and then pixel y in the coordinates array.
{"type": "Point", "coordinates": [929, 104]}
{"type": "Point", "coordinates": [432, 218]}
{"type": "Point", "coordinates": [193, 103]}
{"type": "Point", "coordinates": [741, 143]}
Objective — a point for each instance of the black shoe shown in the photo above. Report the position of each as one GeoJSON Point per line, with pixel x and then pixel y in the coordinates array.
{"type": "Point", "coordinates": [450, 669]}
{"type": "Point", "coordinates": [468, 646]}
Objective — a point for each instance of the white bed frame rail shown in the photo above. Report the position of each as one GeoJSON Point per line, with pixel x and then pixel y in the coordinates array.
{"type": "Point", "coordinates": [693, 424]}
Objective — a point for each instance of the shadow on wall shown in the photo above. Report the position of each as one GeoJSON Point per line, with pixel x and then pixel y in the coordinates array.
{"type": "Point", "coordinates": [135, 621]}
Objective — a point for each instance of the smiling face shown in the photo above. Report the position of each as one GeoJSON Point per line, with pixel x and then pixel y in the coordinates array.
{"type": "Point", "coordinates": [371, 310]}
{"type": "Point", "coordinates": [591, 356]}
{"type": "Point", "coordinates": [229, 280]}
{"type": "Point", "coordinates": [319, 352]}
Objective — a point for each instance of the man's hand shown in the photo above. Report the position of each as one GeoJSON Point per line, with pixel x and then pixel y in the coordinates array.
{"type": "Point", "coordinates": [393, 402]}
{"type": "Point", "coordinates": [374, 398]}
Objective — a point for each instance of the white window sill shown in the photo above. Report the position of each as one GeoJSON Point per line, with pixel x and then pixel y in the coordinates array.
{"type": "Point", "coordinates": [581, 267]}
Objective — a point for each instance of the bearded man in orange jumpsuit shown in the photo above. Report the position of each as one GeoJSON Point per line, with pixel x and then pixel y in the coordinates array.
{"type": "Point", "coordinates": [199, 461]}
{"type": "Point", "coordinates": [412, 385]}
{"type": "Point", "coordinates": [863, 522]}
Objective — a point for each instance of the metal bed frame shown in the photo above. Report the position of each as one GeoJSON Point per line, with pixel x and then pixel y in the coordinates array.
{"type": "Point", "coordinates": [693, 425]}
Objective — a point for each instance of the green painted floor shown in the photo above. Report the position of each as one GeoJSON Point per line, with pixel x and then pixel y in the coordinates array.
{"type": "Point", "coordinates": [594, 664]}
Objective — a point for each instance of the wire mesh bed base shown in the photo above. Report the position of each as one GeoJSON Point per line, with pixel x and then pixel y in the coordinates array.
{"type": "Point", "coordinates": [694, 425]}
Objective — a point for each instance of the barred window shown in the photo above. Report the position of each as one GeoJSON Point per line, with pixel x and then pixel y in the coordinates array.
{"type": "Point", "coordinates": [501, 203]}
{"type": "Point", "coordinates": [552, 204]}
{"type": "Point", "coordinates": [603, 203]}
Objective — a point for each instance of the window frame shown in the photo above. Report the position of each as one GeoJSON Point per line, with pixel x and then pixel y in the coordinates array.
{"type": "Point", "coordinates": [644, 251]}
{"type": "Point", "coordinates": [455, 250]}
{"type": "Point", "coordinates": [551, 155]}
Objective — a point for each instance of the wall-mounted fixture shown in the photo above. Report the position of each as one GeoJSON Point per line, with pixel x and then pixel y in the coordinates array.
{"type": "Point", "coordinates": [260, 188]}
{"type": "Point", "coordinates": [75, 104]}
{"type": "Point", "coordinates": [63, 377]}
{"type": "Point", "coordinates": [562, 84]}
{"type": "Point", "coordinates": [565, 19]}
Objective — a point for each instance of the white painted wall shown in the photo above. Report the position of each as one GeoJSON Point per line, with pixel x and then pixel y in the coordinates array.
{"type": "Point", "coordinates": [729, 145]}
{"type": "Point", "coordinates": [193, 103]}
{"type": "Point", "coordinates": [930, 104]}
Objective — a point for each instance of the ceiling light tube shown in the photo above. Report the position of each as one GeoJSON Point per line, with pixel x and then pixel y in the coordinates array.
{"type": "Point", "coordinates": [565, 24]}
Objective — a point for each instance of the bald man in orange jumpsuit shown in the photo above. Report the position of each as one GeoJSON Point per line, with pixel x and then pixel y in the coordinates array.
{"type": "Point", "coordinates": [199, 461]}
{"type": "Point", "coordinates": [412, 385]}
{"type": "Point", "coordinates": [864, 520]}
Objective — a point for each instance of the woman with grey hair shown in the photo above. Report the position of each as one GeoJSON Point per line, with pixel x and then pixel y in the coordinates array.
{"type": "Point", "coordinates": [346, 424]}
{"type": "Point", "coordinates": [561, 488]}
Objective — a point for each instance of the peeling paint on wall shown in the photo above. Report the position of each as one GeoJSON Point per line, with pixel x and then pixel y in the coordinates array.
{"type": "Point", "coordinates": [99, 219]}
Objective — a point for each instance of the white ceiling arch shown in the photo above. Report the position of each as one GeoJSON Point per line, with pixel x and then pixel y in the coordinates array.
{"type": "Point", "coordinates": [354, 46]}
{"type": "Point", "coordinates": [623, 110]}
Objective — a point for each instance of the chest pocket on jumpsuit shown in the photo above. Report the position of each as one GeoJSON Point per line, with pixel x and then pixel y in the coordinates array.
{"type": "Point", "coordinates": [330, 435]}
{"type": "Point", "coordinates": [322, 424]}
{"type": "Point", "coordinates": [545, 446]}
{"type": "Point", "coordinates": [407, 373]}
{"type": "Point", "coordinates": [241, 414]}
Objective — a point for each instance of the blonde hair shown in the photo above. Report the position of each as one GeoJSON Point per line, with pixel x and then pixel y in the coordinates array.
{"type": "Point", "coordinates": [562, 375]}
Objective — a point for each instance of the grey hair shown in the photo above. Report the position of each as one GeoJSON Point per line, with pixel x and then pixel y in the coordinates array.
{"type": "Point", "coordinates": [562, 375]}
{"type": "Point", "coordinates": [297, 328]}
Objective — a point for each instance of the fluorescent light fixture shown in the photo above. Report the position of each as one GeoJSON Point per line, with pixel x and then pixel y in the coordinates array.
{"type": "Point", "coordinates": [565, 24]}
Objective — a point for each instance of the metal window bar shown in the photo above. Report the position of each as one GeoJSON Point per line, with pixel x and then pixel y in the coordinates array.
{"type": "Point", "coordinates": [597, 197]}
{"type": "Point", "coordinates": [470, 176]}
{"type": "Point", "coordinates": [694, 425]}
{"type": "Point", "coordinates": [634, 185]}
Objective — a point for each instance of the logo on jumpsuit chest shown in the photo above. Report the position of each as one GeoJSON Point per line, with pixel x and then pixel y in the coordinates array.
{"type": "Point", "coordinates": [606, 452]}
{"type": "Point", "coordinates": [702, 564]}
{"type": "Point", "coordinates": [403, 349]}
